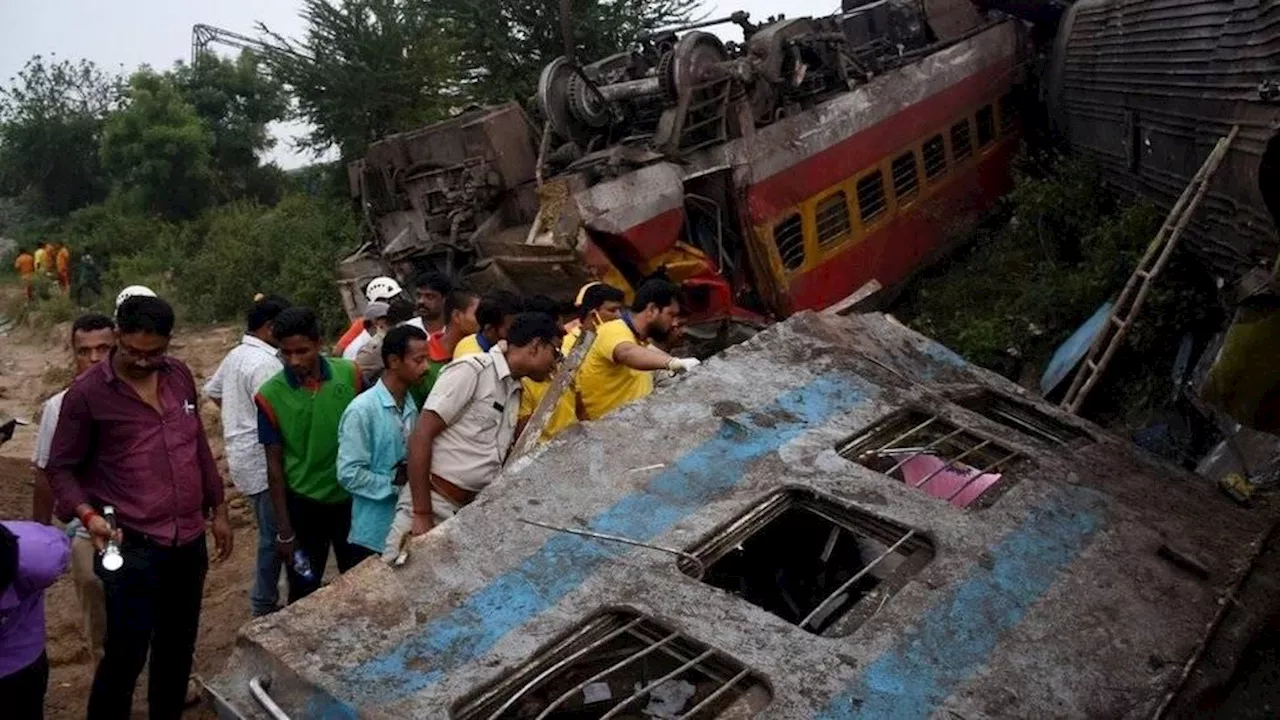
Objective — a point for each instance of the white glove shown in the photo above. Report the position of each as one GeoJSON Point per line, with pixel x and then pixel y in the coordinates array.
{"type": "Point", "coordinates": [678, 366]}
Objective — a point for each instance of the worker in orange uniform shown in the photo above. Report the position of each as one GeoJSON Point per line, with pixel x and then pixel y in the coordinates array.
{"type": "Point", "coordinates": [63, 263]}
{"type": "Point", "coordinates": [25, 264]}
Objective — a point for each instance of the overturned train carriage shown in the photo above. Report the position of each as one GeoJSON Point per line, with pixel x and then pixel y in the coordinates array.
{"type": "Point", "coordinates": [1149, 86]}
{"type": "Point", "coordinates": [881, 531]}
{"type": "Point", "coordinates": [768, 176]}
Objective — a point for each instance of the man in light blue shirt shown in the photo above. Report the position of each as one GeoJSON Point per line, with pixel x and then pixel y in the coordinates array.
{"type": "Point", "coordinates": [372, 441]}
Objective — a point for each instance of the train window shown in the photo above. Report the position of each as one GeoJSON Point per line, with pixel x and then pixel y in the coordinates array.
{"type": "Point", "coordinates": [937, 457]}
{"type": "Point", "coordinates": [832, 220]}
{"type": "Point", "coordinates": [788, 236]}
{"type": "Point", "coordinates": [905, 180]}
{"type": "Point", "coordinates": [935, 157]}
{"type": "Point", "coordinates": [1008, 112]}
{"type": "Point", "coordinates": [961, 146]}
{"type": "Point", "coordinates": [820, 565]}
{"type": "Point", "coordinates": [986, 125]}
{"type": "Point", "coordinates": [871, 200]}
{"type": "Point", "coordinates": [628, 658]}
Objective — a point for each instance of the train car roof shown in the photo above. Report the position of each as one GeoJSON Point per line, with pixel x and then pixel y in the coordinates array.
{"type": "Point", "coordinates": [1079, 586]}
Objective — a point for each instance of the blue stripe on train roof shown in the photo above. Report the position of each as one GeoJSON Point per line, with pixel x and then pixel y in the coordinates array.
{"type": "Point", "coordinates": [957, 635]}
{"type": "Point", "coordinates": [543, 578]}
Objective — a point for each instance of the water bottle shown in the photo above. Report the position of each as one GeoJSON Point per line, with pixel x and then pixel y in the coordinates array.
{"type": "Point", "coordinates": [302, 566]}
{"type": "Point", "coordinates": [111, 558]}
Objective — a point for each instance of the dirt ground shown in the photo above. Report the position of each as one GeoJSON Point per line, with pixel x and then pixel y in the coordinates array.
{"type": "Point", "coordinates": [35, 364]}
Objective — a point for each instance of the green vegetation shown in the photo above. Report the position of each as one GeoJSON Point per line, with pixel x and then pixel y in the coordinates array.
{"type": "Point", "coordinates": [1063, 245]}
{"type": "Point", "coordinates": [160, 175]}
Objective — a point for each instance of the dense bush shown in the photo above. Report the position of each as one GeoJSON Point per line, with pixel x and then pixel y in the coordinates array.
{"type": "Point", "coordinates": [244, 248]}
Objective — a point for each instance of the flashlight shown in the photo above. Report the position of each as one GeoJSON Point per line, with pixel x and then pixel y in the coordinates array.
{"type": "Point", "coordinates": [111, 558]}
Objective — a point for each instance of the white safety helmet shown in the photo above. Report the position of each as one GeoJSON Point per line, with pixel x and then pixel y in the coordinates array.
{"type": "Point", "coordinates": [382, 289]}
{"type": "Point", "coordinates": [134, 291]}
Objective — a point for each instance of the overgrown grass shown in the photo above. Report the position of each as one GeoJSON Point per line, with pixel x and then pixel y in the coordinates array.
{"type": "Point", "coordinates": [1063, 245]}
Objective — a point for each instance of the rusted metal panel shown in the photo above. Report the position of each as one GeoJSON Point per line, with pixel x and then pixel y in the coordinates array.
{"type": "Point", "coordinates": [1148, 86]}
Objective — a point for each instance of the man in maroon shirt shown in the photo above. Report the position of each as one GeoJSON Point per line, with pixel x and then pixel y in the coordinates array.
{"type": "Point", "coordinates": [130, 436]}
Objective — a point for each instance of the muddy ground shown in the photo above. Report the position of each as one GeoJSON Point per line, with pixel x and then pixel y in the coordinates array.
{"type": "Point", "coordinates": [35, 364]}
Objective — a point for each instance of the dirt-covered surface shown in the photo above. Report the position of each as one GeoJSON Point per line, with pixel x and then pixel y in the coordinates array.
{"type": "Point", "coordinates": [35, 364]}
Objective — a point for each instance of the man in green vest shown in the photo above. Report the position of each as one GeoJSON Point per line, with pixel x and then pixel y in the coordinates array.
{"type": "Point", "coordinates": [298, 413]}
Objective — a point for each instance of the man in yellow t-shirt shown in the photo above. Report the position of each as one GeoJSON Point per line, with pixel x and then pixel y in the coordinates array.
{"type": "Point", "coordinates": [597, 303]}
{"type": "Point", "coordinates": [39, 257]}
{"type": "Point", "coordinates": [494, 316]}
{"type": "Point", "coordinates": [617, 369]}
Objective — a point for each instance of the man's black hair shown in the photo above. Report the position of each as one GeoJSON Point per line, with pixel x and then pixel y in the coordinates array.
{"type": "Point", "coordinates": [497, 307]}
{"type": "Point", "coordinates": [397, 341]}
{"type": "Point", "coordinates": [89, 322]}
{"type": "Point", "coordinates": [265, 311]}
{"type": "Point", "coordinates": [432, 280]}
{"type": "Point", "coordinates": [458, 299]}
{"type": "Point", "coordinates": [145, 314]}
{"type": "Point", "coordinates": [402, 309]}
{"type": "Point", "coordinates": [296, 321]}
{"type": "Point", "coordinates": [598, 295]}
{"type": "Point", "coordinates": [8, 558]}
{"type": "Point", "coordinates": [544, 305]}
{"type": "Point", "coordinates": [529, 327]}
{"type": "Point", "coordinates": [656, 292]}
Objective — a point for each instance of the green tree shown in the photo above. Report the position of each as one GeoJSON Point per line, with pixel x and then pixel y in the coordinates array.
{"type": "Point", "coordinates": [51, 119]}
{"type": "Point", "coordinates": [365, 68]}
{"type": "Point", "coordinates": [158, 151]}
{"type": "Point", "coordinates": [236, 100]}
{"type": "Point", "coordinates": [504, 44]}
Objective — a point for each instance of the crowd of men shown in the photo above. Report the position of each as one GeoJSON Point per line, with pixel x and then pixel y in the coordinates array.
{"type": "Point", "coordinates": [51, 260]}
{"type": "Point", "coordinates": [410, 418]}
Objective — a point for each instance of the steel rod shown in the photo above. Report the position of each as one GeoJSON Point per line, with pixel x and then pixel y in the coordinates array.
{"type": "Point", "coordinates": [906, 435]}
{"type": "Point", "coordinates": [857, 576]}
{"type": "Point", "coordinates": [981, 472]}
{"type": "Point", "coordinates": [557, 666]}
{"type": "Point", "coordinates": [605, 673]}
{"type": "Point", "coordinates": [258, 689]}
{"type": "Point", "coordinates": [642, 692]}
{"type": "Point", "coordinates": [951, 462]}
{"type": "Point", "coordinates": [925, 449]}
{"type": "Point", "coordinates": [706, 702]}
{"type": "Point", "coordinates": [625, 541]}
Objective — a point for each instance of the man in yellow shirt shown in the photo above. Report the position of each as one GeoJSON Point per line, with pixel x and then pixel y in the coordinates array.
{"type": "Point", "coordinates": [597, 303]}
{"type": "Point", "coordinates": [494, 315]}
{"type": "Point", "coordinates": [617, 369]}
{"type": "Point", "coordinates": [39, 257]}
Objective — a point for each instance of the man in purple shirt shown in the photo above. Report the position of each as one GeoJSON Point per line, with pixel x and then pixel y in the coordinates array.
{"type": "Point", "coordinates": [130, 436]}
{"type": "Point", "coordinates": [32, 556]}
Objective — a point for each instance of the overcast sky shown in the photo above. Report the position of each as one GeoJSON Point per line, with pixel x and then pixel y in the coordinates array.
{"type": "Point", "coordinates": [122, 34]}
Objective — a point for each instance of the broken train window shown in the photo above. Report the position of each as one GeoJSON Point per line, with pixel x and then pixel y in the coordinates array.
{"type": "Point", "coordinates": [935, 157]}
{"type": "Point", "coordinates": [960, 145]}
{"type": "Point", "coordinates": [812, 562]}
{"type": "Point", "coordinates": [788, 235]}
{"type": "Point", "coordinates": [936, 456]}
{"type": "Point", "coordinates": [622, 665]}
{"type": "Point", "coordinates": [1021, 416]}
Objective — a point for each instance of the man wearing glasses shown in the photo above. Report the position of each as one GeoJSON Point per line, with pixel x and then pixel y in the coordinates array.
{"type": "Point", "coordinates": [468, 422]}
{"type": "Point", "coordinates": [130, 437]}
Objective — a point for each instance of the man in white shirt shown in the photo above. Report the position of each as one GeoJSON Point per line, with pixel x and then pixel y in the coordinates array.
{"type": "Point", "coordinates": [92, 337]}
{"type": "Point", "coordinates": [468, 422]}
{"type": "Point", "coordinates": [232, 387]}
{"type": "Point", "coordinates": [432, 287]}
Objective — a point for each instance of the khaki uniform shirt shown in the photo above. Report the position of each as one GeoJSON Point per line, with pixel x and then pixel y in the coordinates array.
{"type": "Point", "coordinates": [479, 401]}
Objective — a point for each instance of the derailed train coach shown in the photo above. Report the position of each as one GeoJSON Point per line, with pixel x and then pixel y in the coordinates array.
{"type": "Point", "coordinates": [773, 175]}
{"type": "Point", "coordinates": [1147, 87]}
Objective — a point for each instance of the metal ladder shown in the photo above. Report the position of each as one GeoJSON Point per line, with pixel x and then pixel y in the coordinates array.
{"type": "Point", "coordinates": [1135, 291]}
